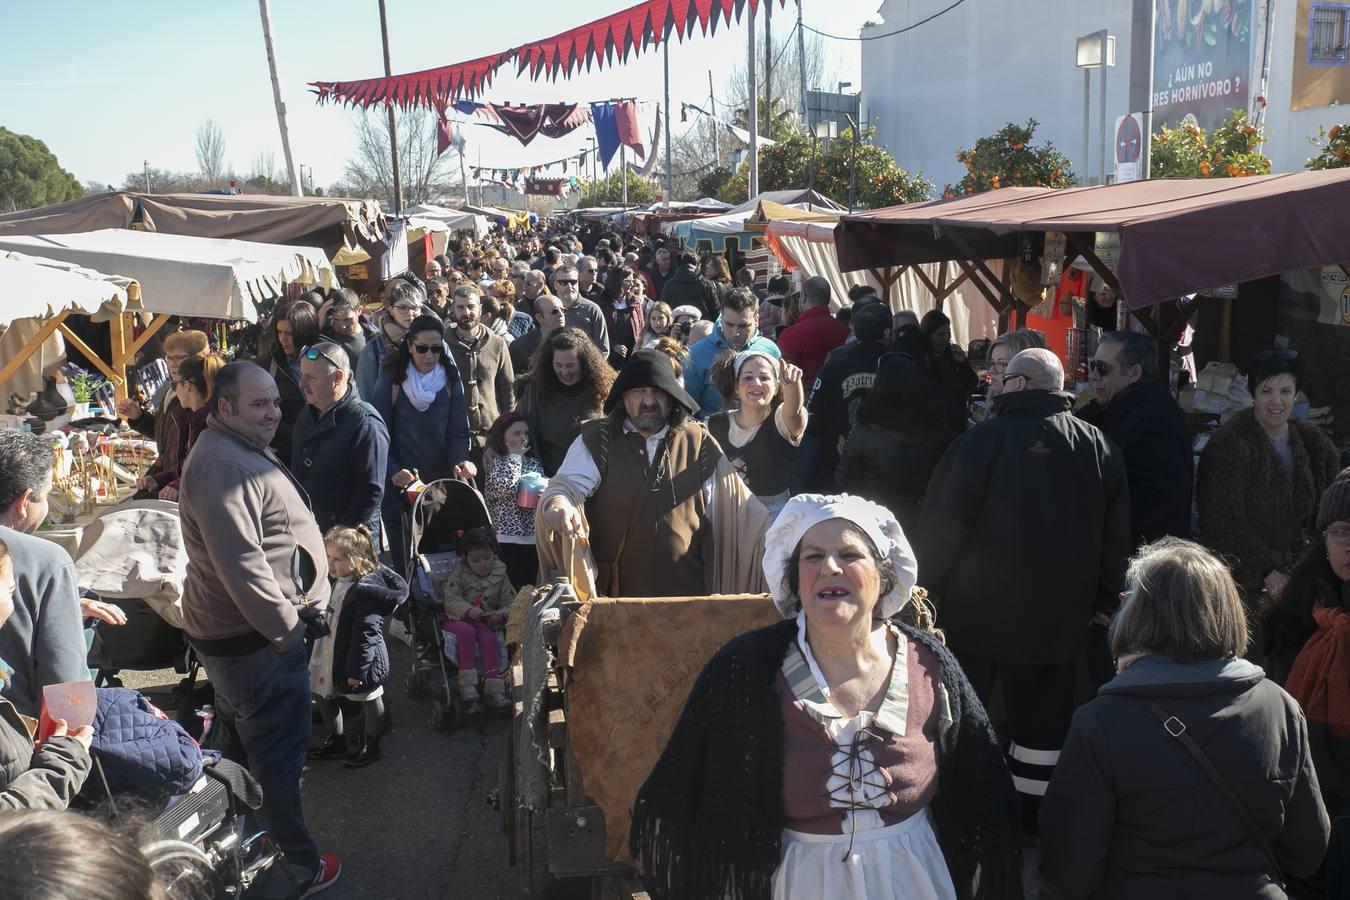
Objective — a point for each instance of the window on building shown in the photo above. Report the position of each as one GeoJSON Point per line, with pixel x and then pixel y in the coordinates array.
{"type": "Point", "coordinates": [1329, 34]}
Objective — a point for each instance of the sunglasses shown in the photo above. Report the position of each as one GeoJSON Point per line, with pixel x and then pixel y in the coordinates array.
{"type": "Point", "coordinates": [1011, 375]}
{"type": "Point", "coordinates": [567, 281]}
{"type": "Point", "coordinates": [1100, 367]}
{"type": "Point", "coordinates": [1267, 355]}
{"type": "Point", "coordinates": [313, 353]}
{"type": "Point", "coordinates": [433, 349]}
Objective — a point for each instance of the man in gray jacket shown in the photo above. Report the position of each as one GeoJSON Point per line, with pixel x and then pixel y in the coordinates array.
{"type": "Point", "coordinates": [43, 641]}
{"type": "Point", "coordinates": [256, 573]}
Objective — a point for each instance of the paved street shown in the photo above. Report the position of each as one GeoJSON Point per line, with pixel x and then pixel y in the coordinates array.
{"type": "Point", "coordinates": [416, 824]}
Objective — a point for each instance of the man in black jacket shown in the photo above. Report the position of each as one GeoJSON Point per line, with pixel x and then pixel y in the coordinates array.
{"type": "Point", "coordinates": [836, 394]}
{"type": "Point", "coordinates": [340, 445]}
{"type": "Point", "coordinates": [1138, 413]}
{"type": "Point", "coordinates": [1023, 541]}
{"type": "Point", "coordinates": [686, 285]}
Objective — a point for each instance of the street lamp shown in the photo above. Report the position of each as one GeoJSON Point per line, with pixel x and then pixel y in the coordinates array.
{"type": "Point", "coordinates": [1094, 51]}
{"type": "Point", "coordinates": [823, 131]}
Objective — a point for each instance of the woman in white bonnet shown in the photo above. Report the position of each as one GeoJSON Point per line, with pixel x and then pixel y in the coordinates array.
{"type": "Point", "coordinates": [839, 753]}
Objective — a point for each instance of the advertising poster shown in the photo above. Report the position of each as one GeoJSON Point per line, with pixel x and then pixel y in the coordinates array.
{"type": "Point", "coordinates": [1202, 54]}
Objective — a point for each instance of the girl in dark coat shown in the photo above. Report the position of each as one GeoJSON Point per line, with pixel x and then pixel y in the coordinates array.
{"type": "Point", "coordinates": [1129, 811]}
{"type": "Point", "coordinates": [295, 326]}
{"type": "Point", "coordinates": [622, 307]}
{"type": "Point", "coordinates": [951, 369]}
{"type": "Point", "coordinates": [352, 660]}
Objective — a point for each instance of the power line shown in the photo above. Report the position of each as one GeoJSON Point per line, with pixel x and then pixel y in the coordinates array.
{"type": "Point", "coordinates": [877, 37]}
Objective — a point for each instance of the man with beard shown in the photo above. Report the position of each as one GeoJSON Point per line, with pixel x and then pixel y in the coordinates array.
{"type": "Point", "coordinates": [580, 312]}
{"type": "Point", "coordinates": [484, 365]}
{"type": "Point", "coordinates": [648, 492]}
{"type": "Point", "coordinates": [403, 302]}
{"type": "Point", "coordinates": [737, 328]}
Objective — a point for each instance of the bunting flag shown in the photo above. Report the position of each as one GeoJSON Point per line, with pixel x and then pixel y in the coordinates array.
{"type": "Point", "coordinates": [552, 120]}
{"type": "Point", "coordinates": [595, 44]}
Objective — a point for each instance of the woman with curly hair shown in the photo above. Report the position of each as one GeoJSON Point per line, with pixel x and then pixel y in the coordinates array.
{"type": "Point", "coordinates": [568, 383]}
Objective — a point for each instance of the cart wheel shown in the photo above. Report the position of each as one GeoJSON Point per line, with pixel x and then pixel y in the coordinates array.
{"type": "Point", "coordinates": [440, 716]}
{"type": "Point", "coordinates": [457, 713]}
{"type": "Point", "coordinates": [414, 685]}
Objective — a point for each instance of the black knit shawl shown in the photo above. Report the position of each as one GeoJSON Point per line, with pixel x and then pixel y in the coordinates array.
{"type": "Point", "coordinates": [707, 823]}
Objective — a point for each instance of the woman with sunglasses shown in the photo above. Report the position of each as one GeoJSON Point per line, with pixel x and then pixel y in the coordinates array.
{"type": "Point", "coordinates": [421, 399]}
{"type": "Point", "coordinates": [1259, 481]}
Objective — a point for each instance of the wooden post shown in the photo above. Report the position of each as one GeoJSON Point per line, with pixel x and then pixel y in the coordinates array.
{"type": "Point", "coordinates": [28, 349]}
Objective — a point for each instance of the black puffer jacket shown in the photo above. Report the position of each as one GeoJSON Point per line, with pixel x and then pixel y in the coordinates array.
{"type": "Point", "coordinates": [687, 286]}
{"type": "Point", "coordinates": [1147, 425]}
{"type": "Point", "coordinates": [359, 650]}
{"type": "Point", "coordinates": [1025, 531]}
{"type": "Point", "coordinates": [1130, 814]}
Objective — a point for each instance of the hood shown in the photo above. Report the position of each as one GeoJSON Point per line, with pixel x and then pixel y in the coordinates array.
{"type": "Point", "coordinates": [1033, 402]}
{"type": "Point", "coordinates": [1163, 676]}
{"type": "Point", "coordinates": [386, 587]}
{"type": "Point", "coordinates": [687, 272]}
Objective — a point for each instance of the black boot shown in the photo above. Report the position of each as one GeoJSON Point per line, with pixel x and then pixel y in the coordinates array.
{"type": "Point", "coordinates": [333, 747]}
{"type": "Point", "coordinates": [366, 753]}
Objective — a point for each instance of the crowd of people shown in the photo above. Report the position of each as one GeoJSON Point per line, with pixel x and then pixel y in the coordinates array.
{"type": "Point", "coordinates": [700, 434]}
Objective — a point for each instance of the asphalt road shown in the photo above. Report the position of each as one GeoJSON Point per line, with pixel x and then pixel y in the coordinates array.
{"type": "Point", "coordinates": [416, 824]}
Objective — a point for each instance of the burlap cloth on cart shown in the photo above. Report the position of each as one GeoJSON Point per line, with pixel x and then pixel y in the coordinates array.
{"type": "Point", "coordinates": [633, 663]}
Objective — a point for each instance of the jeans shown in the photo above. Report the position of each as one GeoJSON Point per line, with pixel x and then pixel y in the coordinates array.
{"type": "Point", "coordinates": [263, 722]}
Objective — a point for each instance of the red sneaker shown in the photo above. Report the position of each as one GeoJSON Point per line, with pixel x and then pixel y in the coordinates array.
{"type": "Point", "coordinates": [330, 867]}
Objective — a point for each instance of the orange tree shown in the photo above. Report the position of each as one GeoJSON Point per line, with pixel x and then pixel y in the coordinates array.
{"type": "Point", "coordinates": [1007, 159]}
{"type": "Point", "coordinates": [1231, 151]}
{"type": "Point", "coordinates": [1333, 148]}
{"type": "Point", "coordinates": [878, 181]}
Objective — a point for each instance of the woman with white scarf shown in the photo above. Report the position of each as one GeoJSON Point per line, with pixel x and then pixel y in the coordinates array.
{"type": "Point", "coordinates": [421, 399]}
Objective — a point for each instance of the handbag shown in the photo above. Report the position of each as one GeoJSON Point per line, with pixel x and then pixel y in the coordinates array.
{"type": "Point", "coordinates": [1177, 729]}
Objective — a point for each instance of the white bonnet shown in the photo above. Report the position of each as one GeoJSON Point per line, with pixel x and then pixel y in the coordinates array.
{"type": "Point", "coordinates": [805, 511]}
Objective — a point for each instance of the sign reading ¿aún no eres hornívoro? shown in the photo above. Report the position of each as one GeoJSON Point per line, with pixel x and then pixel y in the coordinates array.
{"type": "Point", "coordinates": [1202, 60]}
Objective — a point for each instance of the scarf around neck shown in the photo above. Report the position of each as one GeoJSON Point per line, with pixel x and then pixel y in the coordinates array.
{"type": "Point", "coordinates": [422, 389]}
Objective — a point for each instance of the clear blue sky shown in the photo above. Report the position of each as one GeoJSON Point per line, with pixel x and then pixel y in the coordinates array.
{"type": "Point", "coordinates": [108, 84]}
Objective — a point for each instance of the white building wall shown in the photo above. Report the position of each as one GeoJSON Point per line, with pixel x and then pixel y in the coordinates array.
{"type": "Point", "coordinates": [969, 72]}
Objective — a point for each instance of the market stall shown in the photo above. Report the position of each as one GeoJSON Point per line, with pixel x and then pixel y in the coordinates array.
{"type": "Point", "coordinates": [452, 219]}
{"type": "Point", "coordinates": [332, 223]}
{"type": "Point", "coordinates": [177, 276]}
{"type": "Point", "coordinates": [713, 233]}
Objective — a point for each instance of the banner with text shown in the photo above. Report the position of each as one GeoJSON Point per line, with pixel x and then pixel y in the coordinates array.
{"type": "Point", "coordinates": [1202, 60]}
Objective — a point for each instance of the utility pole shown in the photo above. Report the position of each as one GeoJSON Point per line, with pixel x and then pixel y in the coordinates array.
{"type": "Point", "coordinates": [147, 176]}
{"type": "Point", "coordinates": [801, 60]}
{"type": "Point", "coordinates": [670, 175]}
{"type": "Point", "coordinates": [712, 99]}
{"type": "Point", "coordinates": [768, 69]}
{"type": "Point", "coordinates": [462, 179]}
{"type": "Point", "coordinates": [752, 113]}
{"type": "Point", "coordinates": [276, 97]}
{"type": "Point", "coordinates": [393, 133]}
{"type": "Point", "coordinates": [623, 169]}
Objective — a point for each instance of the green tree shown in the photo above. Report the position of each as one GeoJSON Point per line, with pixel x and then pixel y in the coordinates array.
{"type": "Point", "coordinates": [30, 176]}
{"type": "Point", "coordinates": [1186, 151]}
{"type": "Point", "coordinates": [1333, 148]}
{"type": "Point", "coordinates": [1006, 158]}
{"type": "Point", "coordinates": [878, 181]}
{"type": "Point", "coordinates": [710, 183]}
{"type": "Point", "coordinates": [609, 191]}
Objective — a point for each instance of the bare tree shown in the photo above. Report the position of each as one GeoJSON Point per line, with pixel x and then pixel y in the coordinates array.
{"type": "Point", "coordinates": [265, 166]}
{"type": "Point", "coordinates": [210, 151]}
{"type": "Point", "coordinates": [821, 75]}
{"type": "Point", "coordinates": [369, 173]}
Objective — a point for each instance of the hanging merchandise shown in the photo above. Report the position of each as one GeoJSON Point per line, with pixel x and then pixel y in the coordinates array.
{"type": "Point", "coordinates": [625, 119]}
{"type": "Point", "coordinates": [604, 41]}
{"type": "Point", "coordinates": [552, 120]}
{"type": "Point", "coordinates": [544, 187]}
{"type": "Point", "coordinates": [606, 132]}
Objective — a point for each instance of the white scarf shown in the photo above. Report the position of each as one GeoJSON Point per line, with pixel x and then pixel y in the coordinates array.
{"type": "Point", "coordinates": [422, 389]}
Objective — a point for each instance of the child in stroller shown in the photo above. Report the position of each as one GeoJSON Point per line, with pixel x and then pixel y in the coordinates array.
{"type": "Point", "coordinates": [477, 597]}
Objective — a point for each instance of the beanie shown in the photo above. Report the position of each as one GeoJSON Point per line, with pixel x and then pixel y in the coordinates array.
{"type": "Point", "coordinates": [1335, 506]}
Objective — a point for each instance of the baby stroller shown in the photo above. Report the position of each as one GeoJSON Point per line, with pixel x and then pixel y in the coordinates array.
{"type": "Point", "coordinates": [438, 515]}
{"type": "Point", "coordinates": [132, 556]}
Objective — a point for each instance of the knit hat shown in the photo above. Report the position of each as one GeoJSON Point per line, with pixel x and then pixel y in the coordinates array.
{"type": "Point", "coordinates": [805, 511]}
{"type": "Point", "coordinates": [1335, 506]}
{"type": "Point", "coordinates": [649, 368]}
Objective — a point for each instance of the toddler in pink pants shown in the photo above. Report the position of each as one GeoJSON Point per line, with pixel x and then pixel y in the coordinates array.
{"type": "Point", "coordinates": [477, 597]}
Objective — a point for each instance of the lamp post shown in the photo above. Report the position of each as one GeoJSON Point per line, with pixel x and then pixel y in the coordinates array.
{"type": "Point", "coordinates": [823, 130]}
{"type": "Point", "coordinates": [1094, 51]}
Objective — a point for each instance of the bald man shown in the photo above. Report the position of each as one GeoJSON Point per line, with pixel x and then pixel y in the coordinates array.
{"type": "Point", "coordinates": [1024, 535]}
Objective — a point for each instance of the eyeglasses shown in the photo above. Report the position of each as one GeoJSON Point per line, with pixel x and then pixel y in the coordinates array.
{"type": "Point", "coordinates": [1268, 355]}
{"type": "Point", "coordinates": [1338, 536]}
{"type": "Point", "coordinates": [1101, 367]}
{"type": "Point", "coordinates": [1010, 376]}
{"type": "Point", "coordinates": [567, 281]}
{"type": "Point", "coordinates": [407, 307]}
{"type": "Point", "coordinates": [433, 349]}
{"type": "Point", "coordinates": [313, 353]}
